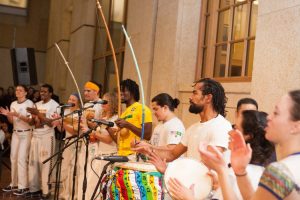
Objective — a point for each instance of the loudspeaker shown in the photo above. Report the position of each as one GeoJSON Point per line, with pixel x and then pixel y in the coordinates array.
{"type": "Point", "coordinates": [23, 64]}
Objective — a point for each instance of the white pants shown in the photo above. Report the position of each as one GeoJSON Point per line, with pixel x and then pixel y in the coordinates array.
{"type": "Point", "coordinates": [91, 176]}
{"type": "Point", "coordinates": [67, 170]}
{"type": "Point", "coordinates": [42, 147]}
{"type": "Point", "coordinates": [19, 158]}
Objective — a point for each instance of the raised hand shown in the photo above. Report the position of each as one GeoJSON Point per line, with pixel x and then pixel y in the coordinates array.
{"type": "Point", "coordinates": [240, 152]}
{"type": "Point", "coordinates": [6, 112]}
{"type": "Point", "coordinates": [33, 111]}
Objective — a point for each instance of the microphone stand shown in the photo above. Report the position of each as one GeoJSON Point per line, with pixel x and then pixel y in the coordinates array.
{"type": "Point", "coordinates": [66, 146]}
{"type": "Point", "coordinates": [87, 140]}
{"type": "Point", "coordinates": [59, 160]}
{"type": "Point", "coordinates": [100, 178]}
{"type": "Point", "coordinates": [76, 156]}
{"type": "Point", "coordinates": [84, 185]}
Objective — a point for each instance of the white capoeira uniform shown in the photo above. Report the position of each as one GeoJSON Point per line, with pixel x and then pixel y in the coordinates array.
{"type": "Point", "coordinates": [68, 162]}
{"type": "Point", "coordinates": [42, 147]}
{"type": "Point", "coordinates": [103, 149]}
{"type": "Point", "coordinates": [96, 111]}
{"type": "Point", "coordinates": [168, 133]}
{"type": "Point", "coordinates": [20, 144]}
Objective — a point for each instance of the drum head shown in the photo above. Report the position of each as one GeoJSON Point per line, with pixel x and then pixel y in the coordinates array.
{"type": "Point", "coordinates": [188, 172]}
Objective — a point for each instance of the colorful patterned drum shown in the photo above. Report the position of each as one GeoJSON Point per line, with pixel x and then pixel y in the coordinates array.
{"type": "Point", "coordinates": [133, 180]}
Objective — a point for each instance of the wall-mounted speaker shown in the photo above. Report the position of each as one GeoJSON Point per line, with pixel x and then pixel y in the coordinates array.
{"type": "Point", "coordinates": [23, 64]}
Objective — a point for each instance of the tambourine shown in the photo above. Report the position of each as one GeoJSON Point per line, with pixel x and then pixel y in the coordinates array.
{"type": "Point", "coordinates": [189, 171]}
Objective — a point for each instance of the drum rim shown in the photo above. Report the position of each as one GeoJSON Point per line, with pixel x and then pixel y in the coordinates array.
{"type": "Point", "coordinates": [135, 168]}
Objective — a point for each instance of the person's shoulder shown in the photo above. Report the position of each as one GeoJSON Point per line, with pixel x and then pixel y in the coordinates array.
{"type": "Point", "coordinates": [222, 120]}
{"type": "Point", "coordinates": [53, 103]}
{"type": "Point", "coordinates": [14, 103]}
{"type": "Point", "coordinates": [193, 126]}
{"type": "Point", "coordinates": [175, 122]}
{"type": "Point", "coordinates": [139, 107]}
{"type": "Point", "coordinates": [29, 102]}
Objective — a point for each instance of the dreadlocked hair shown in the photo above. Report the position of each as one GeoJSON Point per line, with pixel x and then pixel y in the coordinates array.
{"type": "Point", "coordinates": [132, 87]}
{"type": "Point", "coordinates": [213, 87]}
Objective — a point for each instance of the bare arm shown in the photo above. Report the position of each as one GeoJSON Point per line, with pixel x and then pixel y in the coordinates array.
{"type": "Point", "coordinates": [8, 114]}
{"type": "Point", "coordinates": [245, 187]}
{"type": "Point", "coordinates": [43, 119]}
{"type": "Point", "coordinates": [113, 134]}
{"type": "Point", "coordinates": [163, 152]}
{"type": "Point", "coordinates": [121, 123]}
{"type": "Point", "coordinates": [103, 136]}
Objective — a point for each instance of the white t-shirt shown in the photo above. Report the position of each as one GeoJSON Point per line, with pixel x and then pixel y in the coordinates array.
{"type": "Point", "coordinates": [21, 109]}
{"type": "Point", "coordinates": [213, 132]}
{"type": "Point", "coordinates": [254, 172]}
{"type": "Point", "coordinates": [169, 132]}
{"type": "Point", "coordinates": [48, 109]}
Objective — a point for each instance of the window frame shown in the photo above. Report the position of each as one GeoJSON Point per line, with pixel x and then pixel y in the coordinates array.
{"type": "Point", "coordinates": [119, 51]}
{"type": "Point", "coordinates": [210, 48]}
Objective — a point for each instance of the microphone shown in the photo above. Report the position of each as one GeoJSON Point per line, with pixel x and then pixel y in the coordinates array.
{"type": "Point", "coordinates": [101, 121]}
{"type": "Point", "coordinates": [98, 102]}
{"type": "Point", "coordinates": [113, 158]}
{"type": "Point", "coordinates": [68, 105]}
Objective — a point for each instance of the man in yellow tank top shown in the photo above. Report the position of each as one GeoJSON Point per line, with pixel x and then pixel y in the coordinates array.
{"type": "Point", "coordinates": [130, 122]}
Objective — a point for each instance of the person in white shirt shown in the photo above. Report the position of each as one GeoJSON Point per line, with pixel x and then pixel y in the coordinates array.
{"type": "Point", "coordinates": [20, 143]}
{"type": "Point", "coordinates": [208, 100]}
{"type": "Point", "coordinates": [91, 94]}
{"type": "Point", "coordinates": [170, 129]}
{"type": "Point", "coordinates": [42, 143]}
{"type": "Point", "coordinates": [280, 179]}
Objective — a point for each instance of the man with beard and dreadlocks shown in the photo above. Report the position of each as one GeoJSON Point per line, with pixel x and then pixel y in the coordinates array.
{"type": "Point", "coordinates": [208, 100]}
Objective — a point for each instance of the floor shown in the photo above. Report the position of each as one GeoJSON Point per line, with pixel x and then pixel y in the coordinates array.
{"type": "Point", "coordinates": [5, 180]}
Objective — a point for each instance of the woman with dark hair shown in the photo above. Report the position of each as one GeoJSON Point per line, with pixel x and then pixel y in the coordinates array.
{"type": "Point", "coordinates": [253, 129]}
{"type": "Point", "coordinates": [169, 131]}
{"type": "Point", "coordinates": [21, 139]}
{"type": "Point", "coordinates": [280, 179]}
{"type": "Point", "coordinates": [252, 126]}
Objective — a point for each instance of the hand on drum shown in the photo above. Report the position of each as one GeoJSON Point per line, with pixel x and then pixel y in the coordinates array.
{"type": "Point", "coordinates": [240, 152]}
{"type": "Point", "coordinates": [161, 165]}
{"type": "Point", "coordinates": [141, 147]}
{"type": "Point", "coordinates": [180, 191]}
